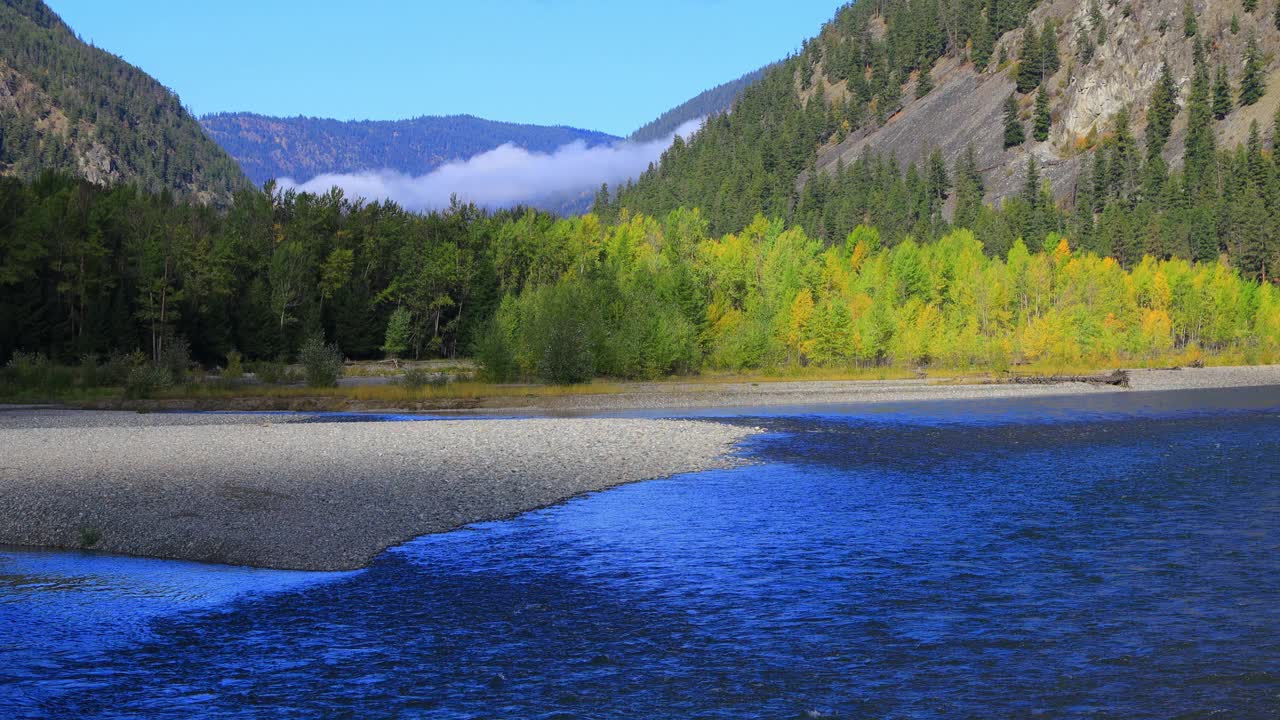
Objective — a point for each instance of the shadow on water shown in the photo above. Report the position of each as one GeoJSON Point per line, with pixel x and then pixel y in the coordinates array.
{"type": "Point", "coordinates": [970, 560]}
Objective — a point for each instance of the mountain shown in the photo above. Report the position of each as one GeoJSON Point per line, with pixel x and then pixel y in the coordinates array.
{"type": "Point", "coordinates": [65, 105]}
{"type": "Point", "coordinates": [705, 104]}
{"type": "Point", "coordinates": [896, 114]}
{"type": "Point", "coordinates": [303, 147]}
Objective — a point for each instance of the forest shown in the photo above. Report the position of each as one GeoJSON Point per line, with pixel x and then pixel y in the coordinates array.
{"type": "Point", "coordinates": [92, 271]}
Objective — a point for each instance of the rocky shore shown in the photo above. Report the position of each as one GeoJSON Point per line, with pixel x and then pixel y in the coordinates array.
{"type": "Point", "coordinates": [278, 491]}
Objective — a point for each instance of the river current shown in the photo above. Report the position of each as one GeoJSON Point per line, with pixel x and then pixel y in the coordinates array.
{"type": "Point", "coordinates": [1110, 556]}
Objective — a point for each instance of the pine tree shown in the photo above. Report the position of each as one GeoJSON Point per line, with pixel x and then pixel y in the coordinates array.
{"type": "Point", "coordinates": [1252, 235]}
{"type": "Point", "coordinates": [1031, 186]}
{"type": "Point", "coordinates": [1222, 93]}
{"type": "Point", "coordinates": [924, 82]}
{"type": "Point", "coordinates": [1014, 133]}
{"type": "Point", "coordinates": [1200, 146]}
{"type": "Point", "coordinates": [1189, 27]}
{"type": "Point", "coordinates": [969, 189]}
{"type": "Point", "coordinates": [1250, 5]}
{"type": "Point", "coordinates": [939, 184]}
{"type": "Point", "coordinates": [1276, 16]}
{"type": "Point", "coordinates": [1161, 111]}
{"type": "Point", "coordinates": [983, 44]}
{"type": "Point", "coordinates": [1029, 60]}
{"type": "Point", "coordinates": [1275, 136]}
{"type": "Point", "coordinates": [1048, 51]}
{"type": "Point", "coordinates": [1235, 24]}
{"type": "Point", "coordinates": [1122, 165]}
{"type": "Point", "coordinates": [1042, 120]}
{"type": "Point", "coordinates": [1252, 82]}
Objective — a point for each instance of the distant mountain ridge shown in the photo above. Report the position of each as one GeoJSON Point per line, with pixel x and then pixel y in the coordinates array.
{"type": "Point", "coordinates": [303, 147]}
{"type": "Point", "coordinates": [66, 105]}
{"type": "Point", "coordinates": [705, 104]}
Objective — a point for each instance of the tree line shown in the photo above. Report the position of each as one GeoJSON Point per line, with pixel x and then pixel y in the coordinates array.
{"type": "Point", "coordinates": [86, 270]}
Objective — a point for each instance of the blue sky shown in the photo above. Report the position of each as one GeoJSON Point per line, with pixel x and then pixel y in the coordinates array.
{"type": "Point", "coordinates": [609, 66]}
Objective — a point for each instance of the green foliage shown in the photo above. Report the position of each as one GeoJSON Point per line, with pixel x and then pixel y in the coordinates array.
{"type": "Point", "coordinates": [321, 362]}
{"type": "Point", "coordinates": [1250, 5]}
{"type": "Point", "coordinates": [924, 83]}
{"type": "Point", "coordinates": [1235, 24]}
{"type": "Point", "coordinates": [1189, 25]}
{"type": "Point", "coordinates": [1161, 111]}
{"type": "Point", "coordinates": [1222, 93]}
{"type": "Point", "coordinates": [416, 378]}
{"type": "Point", "coordinates": [495, 352]}
{"type": "Point", "coordinates": [1253, 78]}
{"type": "Point", "coordinates": [1030, 61]}
{"type": "Point", "coordinates": [78, 100]}
{"type": "Point", "coordinates": [1042, 120]}
{"type": "Point", "coordinates": [273, 372]}
{"type": "Point", "coordinates": [235, 366]}
{"type": "Point", "coordinates": [1014, 133]}
{"type": "Point", "coordinates": [399, 333]}
{"type": "Point", "coordinates": [145, 380]}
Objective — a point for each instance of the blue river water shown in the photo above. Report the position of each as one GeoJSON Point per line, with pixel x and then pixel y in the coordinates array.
{"type": "Point", "coordinates": [1111, 556]}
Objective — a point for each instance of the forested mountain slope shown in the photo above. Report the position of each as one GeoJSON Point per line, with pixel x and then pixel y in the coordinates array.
{"type": "Point", "coordinates": [65, 105]}
{"type": "Point", "coordinates": [1114, 122]}
{"type": "Point", "coordinates": [706, 103]}
{"type": "Point", "coordinates": [302, 148]}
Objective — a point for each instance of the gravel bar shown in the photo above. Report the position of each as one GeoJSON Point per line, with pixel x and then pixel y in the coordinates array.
{"type": "Point", "coordinates": [270, 491]}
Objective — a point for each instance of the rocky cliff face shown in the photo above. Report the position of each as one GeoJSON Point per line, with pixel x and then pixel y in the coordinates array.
{"type": "Point", "coordinates": [1091, 86]}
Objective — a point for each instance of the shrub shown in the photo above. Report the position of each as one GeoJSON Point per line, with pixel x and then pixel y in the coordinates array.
{"type": "Point", "coordinates": [115, 371]}
{"type": "Point", "coordinates": [415, 378]}
{"type": "Point", "coordinates": [272, 372]}
{"type": "Point", "coordinates": [89, 370]}
{"type": "Point", "coordinates": [321, 362]}
{"type": "Point", "coordinates": [176, 358]}
{"type": "Point", "coordinates": [235, 366]}
{"type": "Point", "coordinates": [145, 380]}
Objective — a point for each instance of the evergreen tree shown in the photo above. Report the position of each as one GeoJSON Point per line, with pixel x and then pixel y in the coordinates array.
{"type": "Point", "coordinates": [1250, 5]}
{"type": "Point", "coordinates": [1252, 235]}
{"type": "Point", "coordinates": [924, 82]}
{"type": "Point", "coordinates": [1276, 16]}
{"type": "Point", "coordinates": [1029, 58]}
{"type": "Point", "coordinates": [1222, 93]}
{"type": "Point", "coordinates": [1161, 111]}
{"type": "Point", "coordinates": [1189, 27]}
{"type": "Point", "coordinates": [1235, 24]}
{"type": "Point", "coordinates": [1252, 81]}
{"type": "Point", "coordinates": [1200, 147]}
{"type": "Point", "coordinates": [1049, 61]}
{"type": "Point", "coordinates": [1042, 119]}
{"type": "Point", "coordinates": [1014, 133]}
{"type": "Point", "coordinates": [969, 189]}
{"type": "Point", "coordinates": [983, 44]}
{"type": "Point", "coordinates": [1031, 184]}
{"type": "Point", "coordinates": [939, 184]}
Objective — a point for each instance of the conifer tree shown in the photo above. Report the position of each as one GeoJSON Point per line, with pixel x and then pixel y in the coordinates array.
{"type": "Point", "coordinates": [1042, 120]}
{"type": "Point", "coordinates": [1250, 5]}
{"type": "Point", "coordinates": [983, 44]}
{"type": "Point", "coordinates": [1222, 93]}
{"type": "Point", "coordinates": [1252, 82]}
{"type": "Point", "coordinates": [1029, 59]}
{"type": "Point", "coordinates": [1200, 146]}
{"type": "Point", "coordinates": [969, 189]}
{"type": "Point", "coordinates": [1049, 61]}
{"type": "Point", "coordinates": [1161, 111]}
{"type": "Point", "coordinates": [1252, 235]}
{"type": "Point", "coordinates": [1014, 133]}
{"type": "Point", "coordinates": [924, 82]}
{"type": "Point", "coordinates": [1276, 16]}
{"type": "Point", "coordinates": [1189, 27]}
{"type": "Point", "coordinates": [939, 184]}
{"type": "Point", "coordinates": [1031, 186]}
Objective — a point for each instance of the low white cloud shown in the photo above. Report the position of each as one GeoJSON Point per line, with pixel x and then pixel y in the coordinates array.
{"type": "Point", "coordinates": [502, 177]}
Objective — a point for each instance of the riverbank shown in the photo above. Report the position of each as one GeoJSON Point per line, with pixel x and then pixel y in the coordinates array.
{"type": "Point", "coordinates": [280, 492]}
{"type": "Point", "coordinates": [690, 394]}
